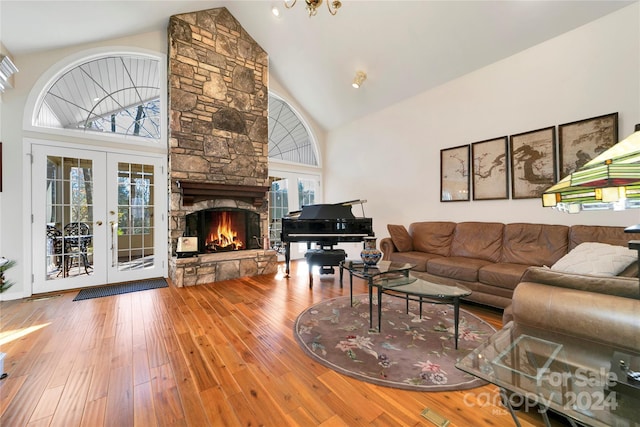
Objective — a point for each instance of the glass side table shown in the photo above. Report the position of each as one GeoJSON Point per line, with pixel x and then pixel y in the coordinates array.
{"type": "Point", "coordinates": [584, 381]}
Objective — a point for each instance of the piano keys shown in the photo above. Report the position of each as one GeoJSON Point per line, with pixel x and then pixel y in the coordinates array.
{"type": "Point", "coordinates": [324, 224]}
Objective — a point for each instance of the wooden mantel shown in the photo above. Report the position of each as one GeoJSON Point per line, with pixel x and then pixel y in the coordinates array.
{"type": "Point", "coordinates": [193, 192]}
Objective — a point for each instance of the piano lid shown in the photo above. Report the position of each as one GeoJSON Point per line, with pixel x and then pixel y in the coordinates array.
{"type": "Point", "coordinates": [327, 211]}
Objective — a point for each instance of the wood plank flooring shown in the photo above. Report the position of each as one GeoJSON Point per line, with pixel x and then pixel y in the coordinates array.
{"type": "Point", "coordinates": [221, 354]}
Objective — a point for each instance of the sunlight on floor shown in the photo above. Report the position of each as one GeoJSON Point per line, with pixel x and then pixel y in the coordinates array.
{"type": "Point", "coordinates": [301, 271]}
{"type": "Point", "coordinates": [280, 274]}
{"type": "Point", "coordinates": [8, 336]}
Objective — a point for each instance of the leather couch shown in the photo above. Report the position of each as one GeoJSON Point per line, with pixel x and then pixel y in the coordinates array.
{"type": "Point", "coordinates": [490, 258]}
{"type": "Point", "coordinates": [597, 322]}
{"type": "Point", "coordinates": [591, 307]}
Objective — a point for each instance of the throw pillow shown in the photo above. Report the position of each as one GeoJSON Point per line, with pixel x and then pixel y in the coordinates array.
{"type": "Point", "coordinates": [400, 237]}
{"type": "Point", "coordinates": [597, 259]}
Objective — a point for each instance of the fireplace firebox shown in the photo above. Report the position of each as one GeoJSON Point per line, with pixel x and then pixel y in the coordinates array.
{"type": "Point", "coordinates": [224, 229]}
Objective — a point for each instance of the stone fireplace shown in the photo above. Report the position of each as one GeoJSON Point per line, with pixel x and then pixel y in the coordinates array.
{"type": "Point", "coordinates": [218, 154]}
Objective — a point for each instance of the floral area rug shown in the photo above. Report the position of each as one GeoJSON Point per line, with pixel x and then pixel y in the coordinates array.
{"type": "Point", "coordinates": [411, 353]}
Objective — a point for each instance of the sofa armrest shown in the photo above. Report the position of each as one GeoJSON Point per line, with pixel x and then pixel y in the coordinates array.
{"type": "Point", "coordinates": [387, 247]}
{"type": "Point", "coordinates": [507, 314]}
{"type": "Point", "coordinates": [589, 315]}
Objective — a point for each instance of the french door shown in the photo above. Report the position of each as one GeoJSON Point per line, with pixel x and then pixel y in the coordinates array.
{"type": "Point", "coordinates": [98, 218]}
{"type": "Point", "coordinates": [289, 193]}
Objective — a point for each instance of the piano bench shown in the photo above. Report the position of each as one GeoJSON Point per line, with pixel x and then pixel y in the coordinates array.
{"type": "Point", "coordinates": [324, 258]}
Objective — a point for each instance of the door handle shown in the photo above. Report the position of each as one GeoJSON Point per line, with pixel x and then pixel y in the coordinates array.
{"type": "Point", "coordinates": [114, 250]}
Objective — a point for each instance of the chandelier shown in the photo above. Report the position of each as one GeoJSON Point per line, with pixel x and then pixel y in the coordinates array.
{"type": "Point", "coordinates": [313, 5]}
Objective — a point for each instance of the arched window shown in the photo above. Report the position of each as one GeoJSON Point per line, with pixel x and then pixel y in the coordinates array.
{"type": "Point", "coordinates": [293, 168]}
{"type": "Point", "coordinates": [113, 94]}
{"type": "Point", "coordinates": [289, 138]}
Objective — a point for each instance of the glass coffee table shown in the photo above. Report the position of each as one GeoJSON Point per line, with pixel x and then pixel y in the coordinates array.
{"type": "Point", "coordinates": [394, 279]}
{"type": "Point", "coordinates": [588, 383]}
{"type": "Point", "coordinates": [369, 273]}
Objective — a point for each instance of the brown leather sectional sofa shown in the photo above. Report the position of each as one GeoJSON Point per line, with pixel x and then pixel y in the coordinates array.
{"type": "Point", "coordinates": [490, 258]}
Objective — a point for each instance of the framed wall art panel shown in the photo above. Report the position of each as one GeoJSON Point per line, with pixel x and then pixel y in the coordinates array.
{"type": "Point", "coordinates": [581, 141]}
{"type": "Point", "coordinates": [490, 169]}
{"type": "Point", "coordinates": [533, 162]}
{"type": "Point", "coordinates": [454, 174]}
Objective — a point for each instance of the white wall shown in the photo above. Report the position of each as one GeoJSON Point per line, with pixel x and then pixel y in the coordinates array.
{"type": "Point", "coordinates": [392, 158]}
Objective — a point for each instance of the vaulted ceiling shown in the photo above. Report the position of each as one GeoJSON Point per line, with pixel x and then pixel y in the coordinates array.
{"type": "Point", "coordinates": [405, 47]}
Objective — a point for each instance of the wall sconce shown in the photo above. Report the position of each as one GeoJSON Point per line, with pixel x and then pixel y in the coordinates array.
{"type": "Point", "coordinates": [360, 77]}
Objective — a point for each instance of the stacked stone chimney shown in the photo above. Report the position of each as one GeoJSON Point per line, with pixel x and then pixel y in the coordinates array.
{"type": "Point", "coordinates": [218, 104]}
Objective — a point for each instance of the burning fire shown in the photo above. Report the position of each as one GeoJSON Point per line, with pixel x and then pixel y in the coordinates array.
{"type": "Point", "coordinates": [224, 237]}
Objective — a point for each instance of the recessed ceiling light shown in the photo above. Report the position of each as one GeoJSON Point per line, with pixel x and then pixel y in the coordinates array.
{"type": "Point", "coordinates": [275, 11]}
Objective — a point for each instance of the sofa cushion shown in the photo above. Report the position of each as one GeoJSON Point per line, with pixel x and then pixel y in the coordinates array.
{"type": "Point", "coordinates": [419, 259]}
{"type": "Point", "coordinates": [534, 244]}
{"type": "Point", "coordinates": [459, 268]}
{"type": "Point", "coordinates": [599, 233]}
{"type": "Point", "coordinates": [481, 240]}
{"type": "Point", "coordinates": [502, 275]}
{"type": "Point", "coordinates": [598, 259]}
{"type": "Point", "coordinates": [400, 237]}
{"type": "Point", "coordinates": [433, 237]}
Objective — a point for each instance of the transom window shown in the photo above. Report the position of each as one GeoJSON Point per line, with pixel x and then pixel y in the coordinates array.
{"type": "Point", "coordinates": [117, 94]}
{"type": "Point", "coordinates": [289, 138]}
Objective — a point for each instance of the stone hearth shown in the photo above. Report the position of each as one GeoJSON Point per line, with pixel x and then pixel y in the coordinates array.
{"type": "Point", "coordinates": [218, 154]}
{"type": "Point", "coordinates": [208, 268]}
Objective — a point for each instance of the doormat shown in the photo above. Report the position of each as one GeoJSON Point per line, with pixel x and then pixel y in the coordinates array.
{"type": "Point", "coordinates": [123, 288]}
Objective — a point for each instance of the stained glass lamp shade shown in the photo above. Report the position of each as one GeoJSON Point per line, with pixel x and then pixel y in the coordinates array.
{"type": "Point", "coordinates": [609, 181]}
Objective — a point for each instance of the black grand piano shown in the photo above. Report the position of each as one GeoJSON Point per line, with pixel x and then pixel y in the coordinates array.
{"type": "Point", "coordinates": [324, 224]}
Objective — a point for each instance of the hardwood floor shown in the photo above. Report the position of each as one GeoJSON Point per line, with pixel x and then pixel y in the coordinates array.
{"type": "Point", "coordinates": [217, 354]}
